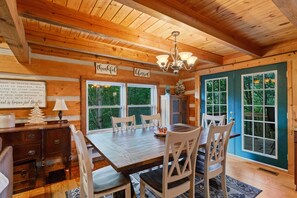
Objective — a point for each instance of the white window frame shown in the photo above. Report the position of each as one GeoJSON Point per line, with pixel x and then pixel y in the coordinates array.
{"type": "Point", "coordinates": [227, 95]}
{"type": "Point", "coordinates": [154, 102]}
{"type": "Point", "coordinates": [121, 106]}
{"type": "Point", "coordinates": [263, 105]}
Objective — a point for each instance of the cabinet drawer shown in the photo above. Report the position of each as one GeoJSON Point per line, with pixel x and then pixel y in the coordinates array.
{"type": "Point", "coordinates": [24, 176]}
{"type": "Point", "coordinates": [26, 152]}
{"type": "Point", "coordinates": [31, 137]}
{"type": "Point", "coordinates": [23, 172]}
{"type": "Point", "coordinates": [26, 137]}
{"type": "Point", "coordinates": [56, 141]}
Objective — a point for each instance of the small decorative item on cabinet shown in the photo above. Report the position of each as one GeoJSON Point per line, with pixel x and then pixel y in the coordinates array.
{"type": "Point", "coordinates": [36, 116]}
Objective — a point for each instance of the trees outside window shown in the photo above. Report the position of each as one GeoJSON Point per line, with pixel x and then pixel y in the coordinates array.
{"type": "Point", "coordinates": [106, 99]}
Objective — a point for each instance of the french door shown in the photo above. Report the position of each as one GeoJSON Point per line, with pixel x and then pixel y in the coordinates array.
{"type": "Point", "coordinates": [256, 99]}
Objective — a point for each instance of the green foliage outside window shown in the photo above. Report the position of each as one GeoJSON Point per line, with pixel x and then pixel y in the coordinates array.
{"type": "Point", "coordinates": [100, 118]}
{"type": "Point", "coordinates": [106, 97]}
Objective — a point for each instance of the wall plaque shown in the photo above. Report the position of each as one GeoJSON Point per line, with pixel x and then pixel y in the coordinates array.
{"type": "Point", "coordinates": [106, 69]}
{"type": "Point", "coordinates": [22, 93]}
{"type": "Point", "coordinates": [142, 72]}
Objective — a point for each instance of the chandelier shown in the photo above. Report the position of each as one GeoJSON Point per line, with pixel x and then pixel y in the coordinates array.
{"type": "Point", "coordinates": [179, 59]}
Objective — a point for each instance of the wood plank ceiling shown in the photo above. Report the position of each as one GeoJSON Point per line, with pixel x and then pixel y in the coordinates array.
{"type": "Point", "coordinates": [138, 30]}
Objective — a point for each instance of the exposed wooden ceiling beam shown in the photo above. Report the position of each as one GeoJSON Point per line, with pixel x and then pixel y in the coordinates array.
{"type": "Point", "coordinates": [52, 51]}
{"type": "Point", "coordinates": [51, 39]}
{"type": "Point", "coordinates": [59, 15]}
{"type": "Point", "coordinates": [288, 8]}
{"type": "Point", "coordinates": [176, 13]}
{"type": "Point", "coordinates": [12, 30]}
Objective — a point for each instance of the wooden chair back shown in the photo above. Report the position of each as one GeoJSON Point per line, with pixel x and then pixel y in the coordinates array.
{"type": "Point", "coordinates": [208, 120]}
{"type": "Point", "coordinates": [85, 164]}
{"type": "Point", "coordinates": [216, 147]}
{"type": "Point", "coordinates": [151, 120]}
{"type": "Point", "coordinates": [6, 168]}
{"type": "Point", "coordinates": [127, 123]}
{"type": "Point", "coordinates": [180, 144]}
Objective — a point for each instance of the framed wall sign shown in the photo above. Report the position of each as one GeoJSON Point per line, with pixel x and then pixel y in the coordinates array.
{"type": "Point", "coordinates": [142, 72]}
{"type": "Point", "coordinates": [106, 69]}
{"type": "Point", "coordinates": [22, 93]}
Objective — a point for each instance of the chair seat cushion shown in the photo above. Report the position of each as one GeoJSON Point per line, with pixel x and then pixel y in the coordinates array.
{"type": "Point", "coordinates": [200, 165]}
{"type": "Point", "coordinates": [107, 178]}
{"type": "Point", "coordinates": [154, 179]}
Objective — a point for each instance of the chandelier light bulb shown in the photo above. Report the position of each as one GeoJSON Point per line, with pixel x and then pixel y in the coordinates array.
{"type": "Point", "coordinates": [192, 60]}
{"type": "Point", "coordinates": [184, 56]}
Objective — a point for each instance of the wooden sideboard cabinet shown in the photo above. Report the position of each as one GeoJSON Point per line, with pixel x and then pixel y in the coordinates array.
{"type": "Point", "coordinates": [32, 145]}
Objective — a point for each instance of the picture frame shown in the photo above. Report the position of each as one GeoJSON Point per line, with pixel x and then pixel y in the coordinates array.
{"type": "Point", "coordinates": [19, 93]}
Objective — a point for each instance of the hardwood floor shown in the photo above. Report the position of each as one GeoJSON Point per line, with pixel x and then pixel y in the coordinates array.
{"type": "Point", "coordinates": [280, 186]}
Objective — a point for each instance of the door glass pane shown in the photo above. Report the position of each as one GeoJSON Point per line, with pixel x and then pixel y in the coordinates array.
{"type": "Point", "coordinates": [258, 81]}
{"type": "Point", "coordinates": [248, 98]}
{"type": "Point", "coordinates": [259, 111]}
{"type": "Point", "coordinates": [270, 114]}
{"type": "Point", "coordinates": [269, 97]}
{"type": "Point", "coordinates": [248, 143]}
{"type": "Point", "coordinates": [248, 114]}
{"type": "Point", "coordinates": [269, 80]}
{"type": "Point", "coordinates": [248, 128]}
{"type": "Point", "coordinates": [223, 85]}
{"type": "Point", "coordinates": [216, 96]}
{"type": "Point", "coordinates": [269, 147]}
{"type": "Point", "coordinates": [270, 131]}
{"type": "Point", "coordinates": [209, 86]}
{"type": "Point", "coordinates": [209, 98]}
{"type": "Point", "coordinates": [258, 145]}
{"type": "Point", "coordinates": [258, 97]}
{"type": "Point", "coordinates": [248, 82]}
{"type": "Point", "coordinates": [223, 98]}
{"type": "Point", "coordinates": [216, 85]}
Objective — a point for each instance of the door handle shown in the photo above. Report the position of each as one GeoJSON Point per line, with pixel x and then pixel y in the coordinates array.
{"type": "Point", "coordinates": [231, 118]}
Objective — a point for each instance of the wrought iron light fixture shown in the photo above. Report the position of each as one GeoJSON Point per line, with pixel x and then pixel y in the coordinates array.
{"type": "Point", "coordinates": [179, 59]}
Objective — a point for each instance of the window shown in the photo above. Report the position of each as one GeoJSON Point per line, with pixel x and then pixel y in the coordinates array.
{"type": "Point", "coordinates": [259, 110]}
{"type": "Point", "coordinates": [106, 99]}
{"type": "Point", "coordinates": [216, 96]}
{"type": "Point", "coordinates": [142, 99]}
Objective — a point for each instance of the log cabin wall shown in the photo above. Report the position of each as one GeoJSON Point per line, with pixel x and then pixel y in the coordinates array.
{"type": "Point", "coordinates": [62, 76]}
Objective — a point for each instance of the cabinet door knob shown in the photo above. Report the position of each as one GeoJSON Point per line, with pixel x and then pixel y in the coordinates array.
{"type": "Point", "coordinates": [23, 173]}
{"type": "Point", "coordinates": [31, 152]}
{"type": "Point", "coordinates": [57, 141]}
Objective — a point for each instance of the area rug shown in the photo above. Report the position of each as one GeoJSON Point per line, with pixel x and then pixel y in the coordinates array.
{"type": "Point", "coordinates": [235, 188]}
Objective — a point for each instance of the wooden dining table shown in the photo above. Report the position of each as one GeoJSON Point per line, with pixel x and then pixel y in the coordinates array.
{"type": "Point", "coordinates": [132, 151]}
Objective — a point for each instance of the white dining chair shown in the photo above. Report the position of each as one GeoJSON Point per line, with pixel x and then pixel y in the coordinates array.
{"type": "Point", "coordinates": [178, 177]}
{"type": "Point", "coordinates": [100, 182]}
{"type": "Point", "coordinates": [213, 163]}
{"type": "Point", "coordinates": [208, 120]}
{"type": "Point", "coordinates": [6, 169]}
{"type": "Point", "coordinates": [151, 120]}
{"type": "Point", "coordinates": [126, 123]}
